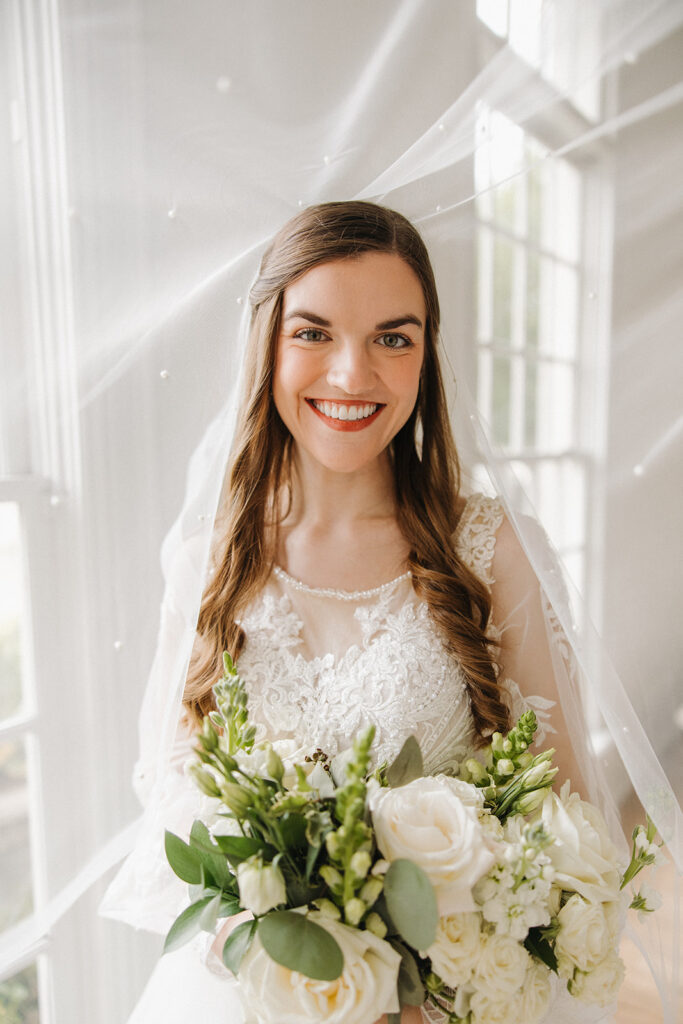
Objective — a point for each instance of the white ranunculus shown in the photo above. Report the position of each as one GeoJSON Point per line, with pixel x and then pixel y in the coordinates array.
{"type": "Point", "coordinates": [583, 856]}
{"type": "Point", "coordinates": [427, 822]}
{"type": "Point", "coordinates": [456, 948]}
{"type": "Point", "coordinates": [365, 990]}
{"type": "Point", "coordinates": [536, 993]}
{"type": "Point", "coordinates": [599, 987]}
{"type": "Point", "coordinates": [585, 936]}
{"type": "Point", "coordinates": [261, 886]}
{"type": "Point", "coordinates": [501, 966]}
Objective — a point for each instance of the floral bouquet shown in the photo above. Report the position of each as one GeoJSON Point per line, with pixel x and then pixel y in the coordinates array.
{"type": "Point", "coordinates": [371, 891]}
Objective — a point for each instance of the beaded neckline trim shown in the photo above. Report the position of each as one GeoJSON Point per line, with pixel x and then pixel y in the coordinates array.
{"type": "Point", "coordinates": [342, 595]}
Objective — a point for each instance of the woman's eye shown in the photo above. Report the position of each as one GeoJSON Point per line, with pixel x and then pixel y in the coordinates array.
{"type": "Point", "coordinates": [310, 334]}
{"type": "Point", "coordinates": [394, 341]}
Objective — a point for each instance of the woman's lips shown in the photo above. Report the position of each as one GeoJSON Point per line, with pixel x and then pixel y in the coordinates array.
{"type": "Point", "coordinates": [335, 423]}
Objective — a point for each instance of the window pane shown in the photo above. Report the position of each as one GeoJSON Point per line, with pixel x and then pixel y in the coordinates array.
{"type": "Point", "coordinates": [494, 13]}
{"type": "Point", "coordinates": [555, 407]}
{"type": "Point", "coordinates": [11, 610]}
{"type": "Point", "coordinates": [501, 399]}
{"type": "Point", "coordinates": [503, 281]}
{"type": "Point", "coordinates": [16, 890]}
{"type": "Point", "coordinates": [19, 998]}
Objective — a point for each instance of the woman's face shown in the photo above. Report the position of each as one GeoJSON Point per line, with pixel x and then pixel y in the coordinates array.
{"type": "Point", "coordinates": [349, 356]}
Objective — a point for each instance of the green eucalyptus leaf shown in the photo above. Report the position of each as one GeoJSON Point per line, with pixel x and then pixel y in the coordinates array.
{"type": "Point", "coordinates": [209, 915]}
{"type": "Point", "coordinates": [186, 925]}
{"type": "Point", "coordinates": [300, 944]}
{"type": "Point", "coordinates": [407, 766]}
{"type": "Point", "coordinates": [239, 848]}
{"type": "Point", "coordinates": [411, 991]}
{"type": "Point", "coordinates": [212, 859]}
{"type": "Point", "coordinates": [184, 860]}
{"type": "Point", "coordinates": [229, 905]}
{"type": "Point", "coordinates": [411, 903]}
{"type": "Point", "coordinates": [237, 945]}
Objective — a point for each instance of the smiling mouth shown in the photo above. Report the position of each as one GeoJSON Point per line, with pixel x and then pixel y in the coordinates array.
{"type": "Point", "coordinates": [346, 415]}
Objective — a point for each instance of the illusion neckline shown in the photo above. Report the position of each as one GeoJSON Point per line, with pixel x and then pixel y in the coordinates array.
{"type": "Point", "coordinates": [342, 595]}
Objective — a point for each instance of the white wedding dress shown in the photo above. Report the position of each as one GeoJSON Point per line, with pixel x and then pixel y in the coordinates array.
{"type": "Point", "coordinates": [319, 665]}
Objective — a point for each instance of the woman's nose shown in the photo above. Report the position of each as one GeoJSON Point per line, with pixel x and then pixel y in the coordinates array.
{"type": "Point", "coordinates": [351, 369]}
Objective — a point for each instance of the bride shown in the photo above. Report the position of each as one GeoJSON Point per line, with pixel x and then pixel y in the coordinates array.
{"type": "Point", "coordinates": [349, 575]}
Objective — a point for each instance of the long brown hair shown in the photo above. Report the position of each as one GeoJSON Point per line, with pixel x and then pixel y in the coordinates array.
{"type": "Point", "coordinates": [424, 459]}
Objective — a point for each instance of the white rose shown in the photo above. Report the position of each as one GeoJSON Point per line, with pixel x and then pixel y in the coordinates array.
{"type": "Point", "coordinates": [536, 993]}
{"type": "Point", "coordinates": [365, 990]}
{"type": "Point", "coordinates": [583, 856]}
{"type": "Point", "coordinates": [261, 886]}
{"type": "Point", "coordinates": [585, 936]}
{"type": "Point", "coordinates": [427, 822]}
{"type": "Point", "coordinates": [501, 966]}
{"type": "Point", "coordinates": [599, 987]}
{"type": "Point", "coordinates": [494, 1008]}
{"type": "Point", "coordinates": [456, 948]}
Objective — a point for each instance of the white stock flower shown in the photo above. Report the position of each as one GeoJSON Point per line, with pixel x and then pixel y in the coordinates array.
{"type": "Point", "coordinates": [365, 990]}
{"type": "Point", "coordinates": [456, 948]}
{"type": "Point", "coordinates": [583, 856]}
{"type": "Point", "coordinates": [501, 966]}
{"type": "Point", "coordinates": [585, 936]}
{"type": "Point", "coordinates": [427, 822]}
{"type": "Point", "coordinates": [600, 986]}
{"type": "Point", "coordinates": [261, 886]}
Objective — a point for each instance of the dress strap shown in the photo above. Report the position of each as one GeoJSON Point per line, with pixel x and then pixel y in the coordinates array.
{"type": "Point", "coordinates": [475, 534]}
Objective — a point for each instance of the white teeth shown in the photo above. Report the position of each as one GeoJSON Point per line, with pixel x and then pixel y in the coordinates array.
{"type": "Point", "coordinates": [344, 412]}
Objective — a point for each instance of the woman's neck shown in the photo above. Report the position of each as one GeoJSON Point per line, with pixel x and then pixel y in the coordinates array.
{"type": "Point", "coordinates": [322, 498]}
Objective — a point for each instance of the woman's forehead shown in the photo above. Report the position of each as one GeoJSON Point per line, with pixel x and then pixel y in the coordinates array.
{"type": "Point", "coordinates": [375, 284]}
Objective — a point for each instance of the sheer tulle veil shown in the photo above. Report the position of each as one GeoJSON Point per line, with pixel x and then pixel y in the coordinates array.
{"type": "Point", "coordinates": [532, 146]}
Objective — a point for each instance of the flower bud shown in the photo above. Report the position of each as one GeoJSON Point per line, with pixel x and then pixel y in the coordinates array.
{"type": "Point", "coordinates": [328, 909]}
{"type": "Point", "coordinates": [371, 890]}
{"type": "Point", "coordinates": [332, 877]}
{"type": "Point", "coordinates": [236, 798]}
{"type": "Point", "coordinates": [380, 867]}
{"type": "Point", "coordinates": [274, 766]}
{"type": "Point", "coordinates": [528, 802]}
{"type": "Point", "coordinates": [525, 759]}
{"type": "Point", "coordinates": [204, 780]}
{"type": "Point", "coordinates": [332, 844]}
{"type": "Point", "coordinates": [261, 886]}
{"type": "Point", "coordinates": [505, 766]}
{"type": "Point", "coordinates": [354, 910]}
{"type": "Point", "coordinates": [376, 925]}
{"type": "Point", "coordinates": [476, 771]}
{"type": "Point", "coordinates": [360, 863]}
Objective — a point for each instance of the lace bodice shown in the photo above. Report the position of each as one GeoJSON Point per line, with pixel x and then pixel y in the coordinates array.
{"type": "Point", "coordinates": [320, 665]}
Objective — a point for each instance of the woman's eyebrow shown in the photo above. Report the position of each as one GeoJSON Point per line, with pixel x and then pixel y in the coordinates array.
{"type": "Point", "coordinates": [303, 314]}
{"type": "Point", "coordinates": [385, 325]}
{"type": "Point", "coordinates": [399, 321]}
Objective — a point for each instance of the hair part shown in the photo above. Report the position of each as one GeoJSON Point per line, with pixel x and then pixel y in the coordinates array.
{"type": "Point", "coordinates": [424, 459]}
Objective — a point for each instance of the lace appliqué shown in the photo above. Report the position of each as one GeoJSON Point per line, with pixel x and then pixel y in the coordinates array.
{"type": "Point", "coordinates": [475, 536]}
{"type": "Point", "coordinates": [399, 679]}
